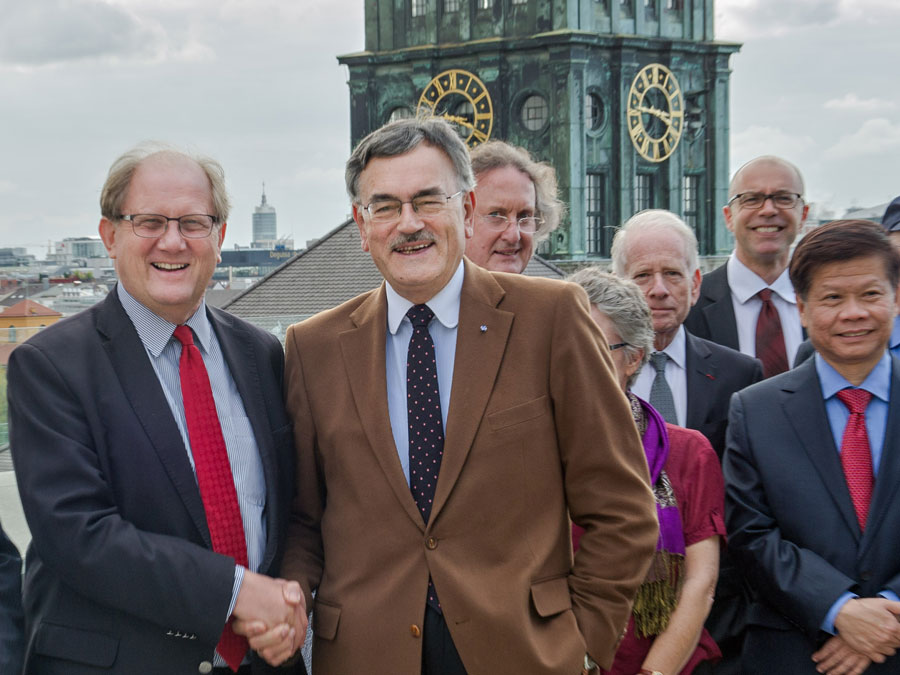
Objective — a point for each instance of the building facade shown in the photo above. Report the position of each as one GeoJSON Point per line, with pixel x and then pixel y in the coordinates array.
{"type": "Point", "coordinates": [627, 99]}
{"type": "Point", "coordinates": [265, 224]}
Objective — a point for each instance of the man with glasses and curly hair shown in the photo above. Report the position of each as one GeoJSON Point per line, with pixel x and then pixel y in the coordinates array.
{"type": "Point", "coordinates": [748, 303]}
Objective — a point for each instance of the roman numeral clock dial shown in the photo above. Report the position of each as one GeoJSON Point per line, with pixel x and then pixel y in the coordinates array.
{"type": "Point", "coordinates": [462, 99]}
{"type": "Point", "coordinates": [655, 112]}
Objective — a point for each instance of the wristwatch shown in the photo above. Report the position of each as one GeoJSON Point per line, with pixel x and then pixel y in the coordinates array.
{"type": "Point", "coordinates": [589, 663]}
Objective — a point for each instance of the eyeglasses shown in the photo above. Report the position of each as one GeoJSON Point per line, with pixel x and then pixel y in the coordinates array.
{"type": "Point", "coordinates": [385, 211]}
{"type": "Point", "coordinates": [616, 346]}
{"type": "Point", "coordinates": [497, 222]}
{"type": "Point", "coordinates": [755, 200]}
{"type": "Point", "coordinates": [153, 226]}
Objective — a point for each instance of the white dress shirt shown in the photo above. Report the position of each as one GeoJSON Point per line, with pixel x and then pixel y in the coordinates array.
{"type": "Point", "coordinates": [745, 284]}
{"type": "Point", "coordinates": [676, 376]}
{"type": "Point", "coordinates": [445, 306]}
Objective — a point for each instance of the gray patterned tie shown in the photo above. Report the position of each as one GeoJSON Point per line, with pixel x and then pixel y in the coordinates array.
{"type": "Point", "coordinates": [660, 394]}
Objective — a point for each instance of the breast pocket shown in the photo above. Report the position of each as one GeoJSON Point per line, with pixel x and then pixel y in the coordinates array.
{"type": "Point", "coordinates": [504, 420]}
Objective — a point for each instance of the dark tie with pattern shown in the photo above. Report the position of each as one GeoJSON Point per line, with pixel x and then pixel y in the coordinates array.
{"type": "Point", "coordinates": [856, 455]}
{"type": "Point", "coordinates": [214, 477]}
{"type": "Point", "coordinates": [769, 337]}
{"type": "Point", "coordinates": [423, 410]}
{"type": "Point", "coordinates": [660, 392]}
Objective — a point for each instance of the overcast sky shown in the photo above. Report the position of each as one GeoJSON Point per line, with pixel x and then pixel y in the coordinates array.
{"type": "Point", "coordinates": [255, 83]}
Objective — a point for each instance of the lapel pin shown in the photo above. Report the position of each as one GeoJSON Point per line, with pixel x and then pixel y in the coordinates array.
{"type": "Point", "coordinates": [483, 328]}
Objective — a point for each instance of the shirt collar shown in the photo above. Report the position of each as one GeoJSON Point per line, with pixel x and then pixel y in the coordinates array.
{"type": "Point", "coordinates": [445, 304]}
{"type": "Point", "coordinates": [745, 283]}
{"type": "Point", "coordinates": [676, 349]}
{"type": "Point", "coordinates": [154, 331]}
{"type": "Point", "coordinates": [877, 382]}
{"type": "Point", "coordinates": [895, 334]}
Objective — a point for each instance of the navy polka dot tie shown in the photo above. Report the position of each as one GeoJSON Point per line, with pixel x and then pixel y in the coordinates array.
{"type": "Point", "coordinates": [423, 409]}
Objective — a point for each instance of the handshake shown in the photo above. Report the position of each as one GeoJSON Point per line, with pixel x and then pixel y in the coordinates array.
{"type": "Point", "coordinates": [271, 614]}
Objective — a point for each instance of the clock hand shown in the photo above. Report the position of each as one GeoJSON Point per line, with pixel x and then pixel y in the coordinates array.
{"type": "Point", "coordinates": [458, 120]}
{"type": "Point", "coordinates": [661, 114]}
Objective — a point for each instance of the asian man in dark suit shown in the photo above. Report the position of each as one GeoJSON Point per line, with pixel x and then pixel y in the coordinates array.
{"type": "Point", "coordinates": [812, 466]}
{"type": "Point", "coordinates": [152, 451]}
{"type": "Point", "coordinates": [695, 378]}
{"type": "Point", "coordinates": [12, 636]}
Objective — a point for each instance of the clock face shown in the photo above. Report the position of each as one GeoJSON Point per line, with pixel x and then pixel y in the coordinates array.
{"type": "Point", "coordinates": [655, 112]}
{"type": "Point", "coordinates": [461, 99]}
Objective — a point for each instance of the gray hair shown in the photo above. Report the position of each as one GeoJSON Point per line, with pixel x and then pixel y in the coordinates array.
{"type": "Point", "coordinates": [622, 302]}
{"type": "Point", "coordinates": [498, 154]}
{"type": "Point", "coordinates": [115, 189]}
{"type": "Point", "coordinates": [402, 136]}
{"type": "Point", "coordinates": [651, 220]}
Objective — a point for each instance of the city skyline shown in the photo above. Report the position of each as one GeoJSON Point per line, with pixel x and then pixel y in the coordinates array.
{"type": "Point", "coordinates": [257, 86]}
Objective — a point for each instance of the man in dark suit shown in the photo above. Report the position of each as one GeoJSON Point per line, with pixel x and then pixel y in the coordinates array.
{"type": "Point", "coordinates": [812, 467]}
{"type": "Point", "coordinates": [454, 555]}
{"type": "Point", "coordinates": [688, 379]}
{"type": "Point", "coordinates": [765, 213]}
{"type": "Point", "coordinates": [12, 637]}
{"type": "Point", "coordinates": [152, 450]}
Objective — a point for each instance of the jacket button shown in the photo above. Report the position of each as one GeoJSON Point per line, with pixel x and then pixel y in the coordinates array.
{"type": "Point", "coordinates": [205, 667]}
{"type": "Point", "coordinates": [431, 543]}
{"type": "Point", "coordinates": [415, 631]}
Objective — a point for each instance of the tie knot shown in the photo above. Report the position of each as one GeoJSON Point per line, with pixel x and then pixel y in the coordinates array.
{"type": "Point", "coordinates": [765, 294]}
{"type": "Point", "coordinates": [659, 359]}
{"type": "Point", "coordinates": [420, 315]}
{"type": "Point", "coordinates": [855, 399]}
{"type": "Point", "coordinates": [183, 335]}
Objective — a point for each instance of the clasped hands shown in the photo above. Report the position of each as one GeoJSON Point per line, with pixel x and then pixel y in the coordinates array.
{"type": "Point", "coordinates": [868, 630]}
{"type": "Point", "coordinates": [271, 614]}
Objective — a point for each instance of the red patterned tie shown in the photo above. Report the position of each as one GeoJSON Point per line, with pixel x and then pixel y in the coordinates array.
{"type": "Point", "coordinates": [423, 410]}
{"type": "Point", "coordinates": [223, 515]}
{"type": "Point", "coordinates": [769, 337]}
{"type": "Point", "coordinates": [856, 456]}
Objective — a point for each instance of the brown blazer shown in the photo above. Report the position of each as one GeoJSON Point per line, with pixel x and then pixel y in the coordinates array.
{"type": "Point", "coordinates": [537, 429]}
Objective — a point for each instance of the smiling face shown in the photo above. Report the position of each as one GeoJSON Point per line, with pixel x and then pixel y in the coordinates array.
{"type": "Point", "coordinates": [167, 275]}
{"type": "Point", "coordinates": [655, 260]}
{"type": "Point", "coordinates": [849, 313]}
{"type": "Point", "coordinates": [763, 236]}
{"type": "Point", "coordinates": [506, 192]}
{"type": "Point", "coordinates": [417, 255]}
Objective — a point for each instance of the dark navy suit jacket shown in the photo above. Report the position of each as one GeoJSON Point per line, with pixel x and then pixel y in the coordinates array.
{"type": "Point", "coordinates": [120, 575]}
{"type": "Point", "coordinates": [791, 522]}
{"type": "Point", "coordinates": [12, 638]}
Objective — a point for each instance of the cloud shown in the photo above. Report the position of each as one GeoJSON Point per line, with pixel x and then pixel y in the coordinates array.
{"type": "Point", "coordinates": [747, 19]}
{"type": "Point", "coordinates": [853, 102]}
{"type": "Point", "coordinates": [7, 186]}
{"type": "Point", "coordinates": [762, 140]}
{"type": "Point", "coordinates": [876, 137]}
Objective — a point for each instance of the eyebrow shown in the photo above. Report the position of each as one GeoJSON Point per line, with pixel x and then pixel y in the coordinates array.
{"type": "Point", "coordinates": [384, 196]}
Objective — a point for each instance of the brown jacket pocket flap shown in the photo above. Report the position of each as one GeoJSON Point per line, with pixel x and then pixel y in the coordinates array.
{"type": "Point", "coordinates": [325, 620]}
{"type": "Point", "coordinates": [551, 596]}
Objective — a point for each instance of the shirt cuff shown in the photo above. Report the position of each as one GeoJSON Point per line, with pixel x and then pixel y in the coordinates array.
{"type": "Point", "coordinates": [828, 623]}
{"type": "Point", "coordinates": [236, 588]}
{"type": "Point", "coordinates": [889, 595]}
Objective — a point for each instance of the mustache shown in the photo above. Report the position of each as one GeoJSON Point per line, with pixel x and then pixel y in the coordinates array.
{"type": "Point", "coordinates": [421, 236]}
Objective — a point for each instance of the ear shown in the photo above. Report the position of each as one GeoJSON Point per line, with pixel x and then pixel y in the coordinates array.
{"type": "Point", "coordinates": [361, 224]}
{"type": "Point", "coordinates": [696, 278]}
{"type": "Point", "coordinates": [222, 228]}
{"type": "Point", "coordinates": [726, 212]}
{"type": "Point", "coordinates": [634, 364]}
{"type": "Point", "coordinates": [468, 201]}
{"type": "Point", "coordinates": [107, 230]}
{"type": "Point", "coordinates": [804, 214]}
{"type": "Point", "coordinates": [801, 308]}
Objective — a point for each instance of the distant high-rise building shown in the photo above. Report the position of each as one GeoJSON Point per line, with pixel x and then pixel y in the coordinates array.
{"type": "Point", "coordinates": [265, 227]}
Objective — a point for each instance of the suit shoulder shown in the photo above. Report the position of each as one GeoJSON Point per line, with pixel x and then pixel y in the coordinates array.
{"type": "Point", "coordinates": [67, 332]}
{"type": "Point", "coordinates": [727, 355]}
{"type": "Point", "coordinates": [256, 332]}
{"type": "Point", "coordinates": [521, 288]}
{"type": "Point", "coordinates": [332, 319]}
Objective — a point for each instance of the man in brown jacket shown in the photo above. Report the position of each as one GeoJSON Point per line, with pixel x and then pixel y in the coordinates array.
{"type": "Point", "coordinates": [447, 426]}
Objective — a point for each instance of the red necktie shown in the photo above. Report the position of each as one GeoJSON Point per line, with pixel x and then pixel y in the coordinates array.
{"type": "Point", "coordinates": [769, 337]}
{"type": "Point", "coordinates": [856, 457]}
{"type": "Point", "coordinates": [214, 477]}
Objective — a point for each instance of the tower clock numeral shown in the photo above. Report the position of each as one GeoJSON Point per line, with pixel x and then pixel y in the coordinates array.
{"type": "Point", "coordinates": [655, 102]}
{"type": "Point", "coordinates": [446, 96]}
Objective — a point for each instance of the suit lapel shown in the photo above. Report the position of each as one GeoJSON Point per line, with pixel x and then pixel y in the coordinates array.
{"type": "Point", "coordinates": [478, 356]}
{"type": "Point", "coordinates": [719, 312]}
{"type": "Point", "coordinates": [363, 351]}
{"type": "Point", "coordinates": [237, 348]}
{"type": "Point", "coordinates": [888, 477]}
{"type": "Point", "coordinates": [805, 409]}
{"type": "Point", "coordinates": [701, 376]}
{"type": "Point", "coordinates": [145, 395]}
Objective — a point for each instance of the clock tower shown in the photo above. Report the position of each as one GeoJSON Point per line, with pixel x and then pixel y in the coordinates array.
{"type": "Point", "coordinates": [627, 99]}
